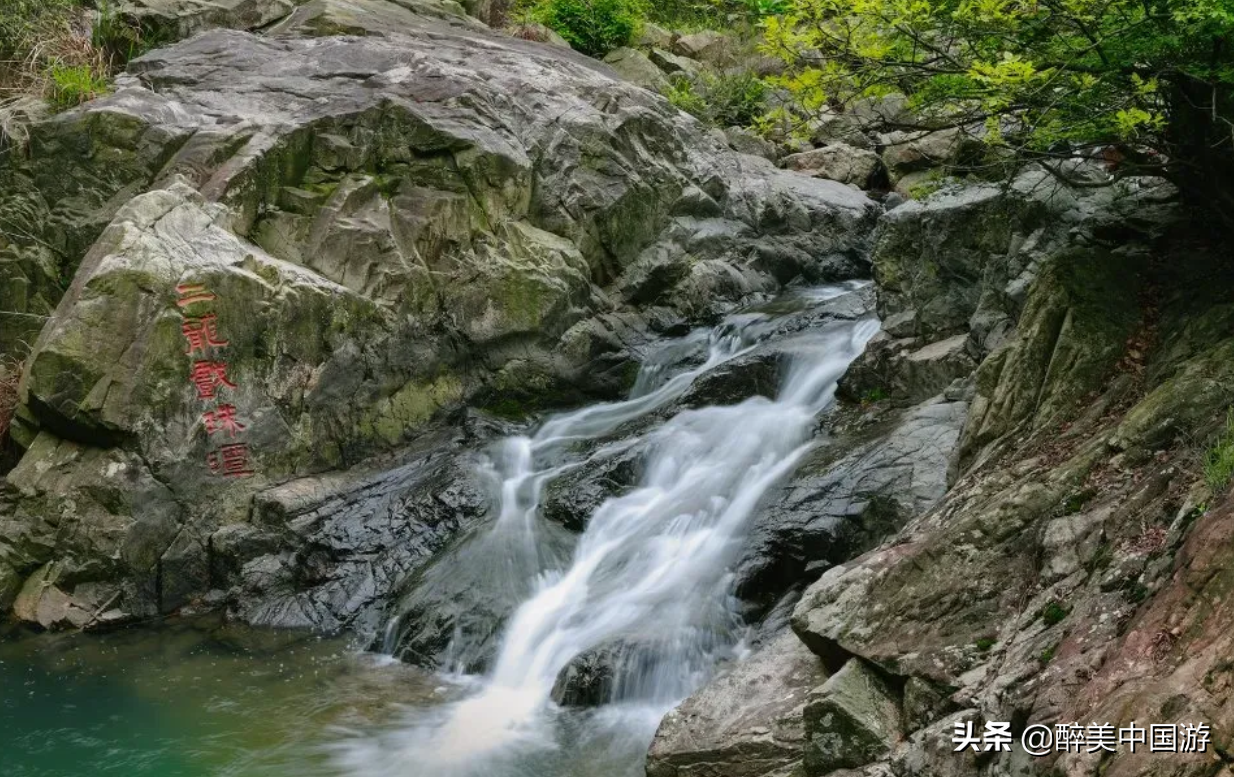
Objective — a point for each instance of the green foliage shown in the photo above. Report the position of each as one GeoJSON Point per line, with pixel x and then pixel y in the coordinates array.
{"type": "Point", "coordinates": [984, 644]}
{"type": "Point", "coordinates": [873, 396]}
{"type": "Point", "coordinates": [124, 39]}
{"type": "Point", "coordinates": [1047, 655]}
{"type": "Point", "coordinates": [22, 20]}
{"type": "Point", "coordinates": [713, 14]}
{"type": "Point", "coordinates": [72, 85]}
{"type": "Point", "coordinates": [1046, 79]}
{"type": "Point", "coordinates": [720, 99]}
{"type": "Point", "coordinates": [1219, 459]}
{"type": "Point", "coordinates": [932, 181]}
{"type": "Point", "coordinates": [1075, 503]}
{"type": "Point", "coordinates": [594, 27]}
{"type": "Point", "coordinates": [1053, 613]}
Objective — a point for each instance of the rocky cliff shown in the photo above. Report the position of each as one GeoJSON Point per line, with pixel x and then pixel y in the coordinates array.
{"type": "Point", "coordinates": [290, 253]}
{"type": "Point", "coordinates": [259, 287]}
{"type": "Point", "coordinates": [1047, 554]}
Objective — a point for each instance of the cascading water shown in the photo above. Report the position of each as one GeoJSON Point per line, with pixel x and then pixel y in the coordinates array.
{"type": "Point", "coordinates": [647, 586]}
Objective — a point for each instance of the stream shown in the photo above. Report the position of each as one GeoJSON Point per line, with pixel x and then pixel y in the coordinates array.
{"type": "Point", "coordinates": [640, 599]}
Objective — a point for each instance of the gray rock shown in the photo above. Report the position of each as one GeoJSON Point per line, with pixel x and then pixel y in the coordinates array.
{"type": "Point", "coordinates": [904, 370]}
{"type": "Point", "coordinates": [573, 498]}
{"type": "Point", "coordinates": [182, 18]}
{"type": "Point", "coordinates": [634, 66]}
{"type": "Point", "coordinates": [699, 45]}
{"type": "Point", "coordinates": [838, 162]}
{"type": "Point", "coordinates": [539, 33]}
{"type": "Point", "coordinates": [377, 18]}
{"type": "Point", "coordinates": [851, 720]}
{"type": "Point", "coordinates": [756, 374]}
{"type": "Point", "coordinates": [931, 752]}
{"type": "Point", "coordinates": [350, 540]}
{"type": "Point", "coordinates": [674, 64]}
{"type": "Point", "coordinates": [848, 496]}
{"type": "Point", "coordinates": [184, 570]}
{"type": "Point", "coordinates": [747, 722]}
{"type": "Point", "coordinates": [890, 109]}
{"type": "Point", "coordinates": [588, 680]}
{"type": "Point", "coordinates": [653, 36]}
{"type": "Point", "coordinates": [747, 142]}
{"type": "Point", "coordinates": [907, 152]}
{"type": "Point", "coordinates": [832, 127]}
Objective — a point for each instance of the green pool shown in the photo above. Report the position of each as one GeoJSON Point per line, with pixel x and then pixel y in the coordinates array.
{"type": "Point", "coordinates": [188, 699]}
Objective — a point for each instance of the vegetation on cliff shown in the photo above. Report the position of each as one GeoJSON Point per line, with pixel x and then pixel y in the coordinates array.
{"type": "Point", "coordinates": [1045, 81]}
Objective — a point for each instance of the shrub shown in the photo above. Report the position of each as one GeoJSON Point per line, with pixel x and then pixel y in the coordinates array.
{"type": "Point", "coordinates": [49, 52]}
{"type": "Point", "coordinates": [1219, 460]}
{"type": "Point", "coordinates": [594, 27]}
{"type": "Point", "coordinates": [1054, 613]}
{"type": "Point", "coordinates": [722, 100]}
{"type": "Point", "coordinates": [713, 14]}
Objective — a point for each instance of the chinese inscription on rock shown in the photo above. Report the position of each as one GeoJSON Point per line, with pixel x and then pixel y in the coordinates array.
{"type": "Point", "coordinates": [205, 347]}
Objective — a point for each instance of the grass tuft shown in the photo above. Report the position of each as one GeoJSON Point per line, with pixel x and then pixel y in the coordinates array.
{"type": "Point", "coordinates": [1219, 459]}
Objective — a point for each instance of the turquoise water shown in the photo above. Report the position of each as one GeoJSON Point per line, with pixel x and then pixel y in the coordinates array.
{"type": "Point", "coordinates": [187, 700]}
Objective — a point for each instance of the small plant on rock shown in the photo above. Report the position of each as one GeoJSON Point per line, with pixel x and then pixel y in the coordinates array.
{"type": "Point", "coordinates": [1219, 460]}
{"type": "Point", "coordinates": [72, 85]}
{"type": "Point", "coordinates": [873, 397]}
{"type": "Point", "coordinates": [1053, 613]}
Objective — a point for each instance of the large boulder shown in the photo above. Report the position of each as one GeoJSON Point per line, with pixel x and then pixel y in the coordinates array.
{"type": "Point", "coordinates": [858, 488]}
{"type": "Point", "coordinates": [965, 258]}
{"type": "Point", "coordinates": [634, 66]}
{"type": "Point", "coordinates": [181, 18]}
{"type": "Point", "coordinates": [914, 151]}
{"type": "Point", "coordinates": [698, 45]}
{"type": "Point", "coordinates": [747, 722]}
{"type": "Point", "coordinates": [294, 253]}
{"type": "Point", "coordinates": [838, 162]}
{"type": "Point", "coordinates": [850, 720]}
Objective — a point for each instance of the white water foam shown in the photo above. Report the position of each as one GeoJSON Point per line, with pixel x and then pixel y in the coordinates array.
{"type": "Point", "coordinates": [651, 569]}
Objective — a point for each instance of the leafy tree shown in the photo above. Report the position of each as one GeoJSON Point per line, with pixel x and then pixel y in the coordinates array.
{"type": "Point", "coordinates": [1046, 79]}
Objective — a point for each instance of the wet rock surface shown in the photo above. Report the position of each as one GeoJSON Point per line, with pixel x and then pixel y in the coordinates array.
{"type": "Point", "coordinates": [1042, 580]}
{"type": "Point", "coordinates": [390, 226]}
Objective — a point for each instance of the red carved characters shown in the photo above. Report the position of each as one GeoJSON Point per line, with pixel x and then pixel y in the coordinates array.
{"type": "Point", "coordinates": [231, 460]}
{"type": "Point", "coordinates": [208, 375]}
{"type": "Point", "coordinates": [202, 333]}
{"type": "Point", "coordinates": [190, 293]}
{"type": "Point", "coordinates": [222, 420]}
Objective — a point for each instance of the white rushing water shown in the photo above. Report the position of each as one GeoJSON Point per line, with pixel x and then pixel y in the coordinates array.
{"type": "Point", "coordinates": [649, 579]}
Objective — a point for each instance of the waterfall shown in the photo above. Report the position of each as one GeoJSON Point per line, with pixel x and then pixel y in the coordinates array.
{"type": "Point", "coordinates": [648, 583]}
